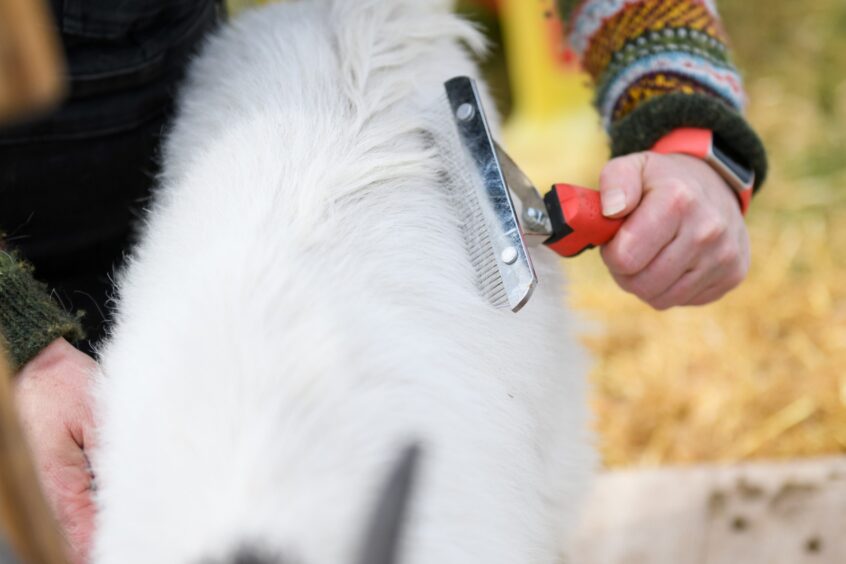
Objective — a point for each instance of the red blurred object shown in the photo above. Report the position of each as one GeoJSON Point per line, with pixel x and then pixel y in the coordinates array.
{"type": "Point", "coordinates": [561, 50]}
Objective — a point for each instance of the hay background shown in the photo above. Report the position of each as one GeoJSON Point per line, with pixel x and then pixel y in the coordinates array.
{"type": "Point", "coordinates": [761, 373]}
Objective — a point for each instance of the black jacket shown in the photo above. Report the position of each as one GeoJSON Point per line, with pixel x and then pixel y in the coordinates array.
{"type": "Point", "coordinates": [73, 182]}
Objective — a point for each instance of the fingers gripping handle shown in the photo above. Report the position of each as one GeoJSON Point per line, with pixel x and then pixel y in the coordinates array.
{"type": "Point", "coordinates": [577, 220]}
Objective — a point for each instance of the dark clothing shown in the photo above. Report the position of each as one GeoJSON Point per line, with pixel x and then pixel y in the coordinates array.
{"type": "Point", "coordinates": [73, 182]}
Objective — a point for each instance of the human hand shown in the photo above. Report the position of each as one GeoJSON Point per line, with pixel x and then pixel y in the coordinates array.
{"type": "Point", "coordinates": [51, 395]}
{"type": "Point", "coordinates": [684, 241]}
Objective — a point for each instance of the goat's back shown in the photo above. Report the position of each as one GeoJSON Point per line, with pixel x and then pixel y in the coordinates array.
{"type": "Point", "coordinates": [301, 306]}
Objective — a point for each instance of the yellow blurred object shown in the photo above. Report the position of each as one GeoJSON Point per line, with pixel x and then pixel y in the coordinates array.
{"type": "Point", "coordinates": [553, 132]}
{"type": "Point", "coordinates": [543, 84]}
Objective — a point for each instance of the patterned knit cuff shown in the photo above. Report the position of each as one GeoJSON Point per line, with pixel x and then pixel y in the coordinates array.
{"type": "Point", "coordinates": [29, 319]}
{"type": "Point", "coordinates": [636, 50]}
{"type": "Point", "coordinates": [658, 65]}
{"type": "Point", "coordinates": [653, 119]}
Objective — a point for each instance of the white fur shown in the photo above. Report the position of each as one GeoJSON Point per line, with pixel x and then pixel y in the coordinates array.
{"type": "Point", "coordinates": [301, 306]}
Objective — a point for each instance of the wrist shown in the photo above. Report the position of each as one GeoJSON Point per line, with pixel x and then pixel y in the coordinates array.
{"type": "Point", "coordinates": [703, 144]}
{"type": "Point", "coordinates": [54, 354]}
{"type": "Point", "coordinates": [706, 182]}
{"type": "Point", "coordinates": [656, 117]}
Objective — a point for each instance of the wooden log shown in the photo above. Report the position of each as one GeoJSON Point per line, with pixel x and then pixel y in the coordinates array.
{"type": "Point", "coordinates": [31, 67]}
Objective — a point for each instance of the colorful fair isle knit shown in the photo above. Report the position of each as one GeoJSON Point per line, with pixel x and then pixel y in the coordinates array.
{"type": "Point", "coordinates": [658, 65]}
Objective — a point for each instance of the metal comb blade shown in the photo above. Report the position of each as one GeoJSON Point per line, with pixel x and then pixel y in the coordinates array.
{"type": "Point", "coordinates": [492, 232]}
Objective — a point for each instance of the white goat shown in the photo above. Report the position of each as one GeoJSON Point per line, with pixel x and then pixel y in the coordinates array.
{"type": "Point", "coordinates": [302, 306]}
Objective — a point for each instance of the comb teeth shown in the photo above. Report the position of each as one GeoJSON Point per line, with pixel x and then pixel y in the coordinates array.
{"type": "Point", "coordinates": [477, 240]}
{"type": "Point", "coordinates": [495, 246]}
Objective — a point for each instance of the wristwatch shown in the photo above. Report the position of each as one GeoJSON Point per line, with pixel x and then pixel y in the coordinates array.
{"type": "Point", "coordinates": [704, 144]}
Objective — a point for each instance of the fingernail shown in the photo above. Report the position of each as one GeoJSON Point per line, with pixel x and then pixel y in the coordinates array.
{"type": "Point", "coordinates": [613, 201]}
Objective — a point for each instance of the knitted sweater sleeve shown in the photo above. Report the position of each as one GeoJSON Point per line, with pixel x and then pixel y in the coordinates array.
{"type": "Point", "coordinates": [29, 318]}
{"type": "Point", "coordinates": [658, 65]}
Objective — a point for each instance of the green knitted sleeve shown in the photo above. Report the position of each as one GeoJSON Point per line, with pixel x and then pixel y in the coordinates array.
{"type": "Point", "coordinates": [29, 318]}
{"type": "Point", "coordinates": [642, 128]}
{"type": "Point", "coordinates": [658, 65]}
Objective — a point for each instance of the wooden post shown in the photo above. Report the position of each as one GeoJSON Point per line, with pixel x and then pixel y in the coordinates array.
{"type": "Point", "coordinates": [31, 80]}
{"type": "Point", "coordinates": [25, 520]}
{"type": "Point", "coordinates": [31, 67]}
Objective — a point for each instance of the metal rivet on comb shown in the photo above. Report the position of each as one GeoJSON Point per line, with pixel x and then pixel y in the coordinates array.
{"type": "Point", "coordinates": [509, 255]}
{"type": "Point", "coordinates": [465, 112]}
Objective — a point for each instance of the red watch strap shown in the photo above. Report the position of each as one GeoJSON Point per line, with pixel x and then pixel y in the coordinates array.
{"type": "Point", "coordinates": [687, 140]}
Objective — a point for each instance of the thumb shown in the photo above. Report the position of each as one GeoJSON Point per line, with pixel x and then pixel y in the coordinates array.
{"type": "Point", "coordinates": [621, 184]}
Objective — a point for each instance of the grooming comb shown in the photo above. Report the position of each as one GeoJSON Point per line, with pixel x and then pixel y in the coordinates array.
{"type": "Point", "coordinates": [494, 240]}
{"type": "Point", "coordinates": [568, 219]}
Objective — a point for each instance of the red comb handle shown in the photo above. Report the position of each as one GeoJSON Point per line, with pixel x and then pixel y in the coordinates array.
{"type": "Point", "coordinates": [577, 220]}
